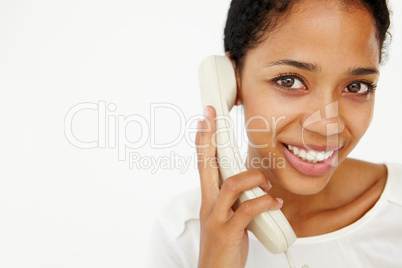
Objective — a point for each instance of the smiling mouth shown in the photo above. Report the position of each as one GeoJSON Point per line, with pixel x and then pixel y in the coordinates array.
{"type": "Point", "coordinates": [311, 156]}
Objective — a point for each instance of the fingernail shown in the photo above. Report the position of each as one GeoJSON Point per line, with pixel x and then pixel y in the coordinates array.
{"type": "Point", "coordinates": [279, 200]}
{"type": "Point", "coordinates": [269, 184]}
{"type": "Point", "coordinates": [206, 111]}
{"type": "Point", "coordinates": [266, 189]}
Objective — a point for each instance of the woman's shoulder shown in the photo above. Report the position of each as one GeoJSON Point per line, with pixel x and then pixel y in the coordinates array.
{"type": "Point", "coordinates": [386, 177]}
{"type": "Point", "coordinates": [359, 191]}
{"type": "Point", "coordinates": [363, 170]}
{"type": "Point", "coordinates": [172, 238]}
{"type": "Point", "coordinates": [356, 177]}
{"type": "Point", "coordinates": [394, 183]}
{"type": "Point", "coordinates": [367, 171]}
{"type": "Point", "coordinates": [181, 208]}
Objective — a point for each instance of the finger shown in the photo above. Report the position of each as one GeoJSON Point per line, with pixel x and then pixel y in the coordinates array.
{"type": "Point", "coordinates": [207, 161]}
{"type": "Point", "coordinates": [251, 208]}
{"type": "Point", "coordinates": [234, 186]}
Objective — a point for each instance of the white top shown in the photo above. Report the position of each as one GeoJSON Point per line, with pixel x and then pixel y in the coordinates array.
{"type": "Point", "coordinates": [375, 240]}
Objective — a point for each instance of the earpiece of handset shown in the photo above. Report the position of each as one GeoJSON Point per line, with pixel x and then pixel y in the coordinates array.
{"type": "Point", "coordinates": [218, 89]}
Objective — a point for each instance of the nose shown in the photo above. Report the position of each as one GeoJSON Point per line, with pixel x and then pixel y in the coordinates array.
{"type": "Point", "coordinates": [325, 120]}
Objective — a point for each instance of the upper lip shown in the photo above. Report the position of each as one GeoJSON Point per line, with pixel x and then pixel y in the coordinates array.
{"type": "Point", "coordinates": [315, 147]}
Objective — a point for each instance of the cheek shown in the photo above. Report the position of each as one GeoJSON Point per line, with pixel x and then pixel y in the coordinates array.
{"type": "Point", "coordinates": [258, 125]}
{"type": "Point", "coordinates": [266, 116]}
{"type": "Point", "coordinates": [260, 99]}
{"type": "Point", "coordinates": [270, 110]}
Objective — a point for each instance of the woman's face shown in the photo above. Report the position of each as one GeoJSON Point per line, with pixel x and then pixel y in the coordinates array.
{"type": "Point", "coordinates": [308, 85]}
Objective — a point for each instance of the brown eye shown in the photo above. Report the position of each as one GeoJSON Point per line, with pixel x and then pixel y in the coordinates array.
{"type": "Point", "coordinates": [290, 82]}
{"type": "Point", "coordinates": [357, 88]}
{"type": "Point", "coordinates": [287, 82]}
{"type": "Point", "coordinates": [354, 88]}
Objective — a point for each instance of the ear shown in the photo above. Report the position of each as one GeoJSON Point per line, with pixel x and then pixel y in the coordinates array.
{"type": "Point", "coordinates": [238, 80]}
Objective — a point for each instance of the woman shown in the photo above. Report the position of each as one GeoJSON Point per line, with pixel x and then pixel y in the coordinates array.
{"type": "Point", "coordinates": [310, 69]}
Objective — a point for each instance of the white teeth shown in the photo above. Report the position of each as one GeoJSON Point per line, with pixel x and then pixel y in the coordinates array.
{"type": "Point", "coordinates": [320, 156]}
{"type": "Point", "coordinates": [310, 156]}
{"type": "Point", "coordinates": [302, 154]}
{"type": "Point", "coordinates": [328, 154]}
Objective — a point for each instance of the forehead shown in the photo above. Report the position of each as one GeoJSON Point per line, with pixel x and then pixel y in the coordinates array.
{"type": "Point", "coordinates": [324, 32]}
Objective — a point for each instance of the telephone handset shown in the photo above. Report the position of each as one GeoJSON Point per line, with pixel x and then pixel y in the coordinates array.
{"type": "Point", "coordinates": [218, 89]}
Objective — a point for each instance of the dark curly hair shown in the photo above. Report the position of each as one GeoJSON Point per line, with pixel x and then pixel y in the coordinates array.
{"type": "Point", "coordinates": [248, 21]}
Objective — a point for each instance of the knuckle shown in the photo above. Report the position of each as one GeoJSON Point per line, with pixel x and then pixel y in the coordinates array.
{"type": "Point", "coordinates": [210, 224]}
{"type": "Point", "coordinates": [271, 203]}
{"type": "Point", "coordinates": [230, 184]}
{"type": "Point", "coordinates": [247, 208]}
{"type": "Point", "coordinates": [269, 200]}
{"type": "Point", "coordinates": [260, 177]}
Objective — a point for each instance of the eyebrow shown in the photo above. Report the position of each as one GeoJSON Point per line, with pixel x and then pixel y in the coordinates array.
{"type": "Point", "coordinates": [363, 71]}
{"type": "Point", "coordinates": [312, 67]}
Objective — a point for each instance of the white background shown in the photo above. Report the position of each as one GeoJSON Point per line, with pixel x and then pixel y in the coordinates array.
{"type": "Point", "coordinates": [64, 206]}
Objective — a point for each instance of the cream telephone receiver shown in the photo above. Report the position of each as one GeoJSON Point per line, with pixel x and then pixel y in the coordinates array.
{"type": "Point", "coordinates": [218, 89]}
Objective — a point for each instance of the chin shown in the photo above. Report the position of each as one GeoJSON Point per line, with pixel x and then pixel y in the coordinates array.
{"type": "Point", "coordinates": [301, 177]}
{"type": "Point", "coordinates": [300, 184]}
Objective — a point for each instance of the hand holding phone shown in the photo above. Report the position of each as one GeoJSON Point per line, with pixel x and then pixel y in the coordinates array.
{"type": "Point", "coordinates": [243, 189]}
{"type": "Point", "coordinates": [224, 238]}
